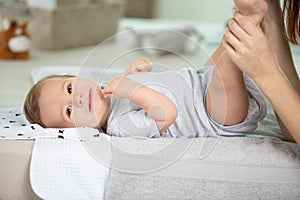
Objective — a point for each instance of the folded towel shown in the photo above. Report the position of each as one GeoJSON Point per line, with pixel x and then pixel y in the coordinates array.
{"type": "Point", "coordinates": [64, 169]}
{"type": "Point", "coordinates": [61, 166]}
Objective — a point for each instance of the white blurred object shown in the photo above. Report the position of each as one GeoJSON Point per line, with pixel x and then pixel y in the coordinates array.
{"type": "Point", "coordinates": [178, 38]}
{"type": "Point", "coordinates": [45, 4]}
{"type": "Point", "coordinates": [212, 31]}
{"type": "Point", "coordinates": [19, 44]}
{"type": "Point", "coordinates": [53, 4]}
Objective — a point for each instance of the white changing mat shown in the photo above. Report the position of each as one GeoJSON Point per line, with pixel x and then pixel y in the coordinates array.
{"type": "Point", "coordinates": [63, 169]}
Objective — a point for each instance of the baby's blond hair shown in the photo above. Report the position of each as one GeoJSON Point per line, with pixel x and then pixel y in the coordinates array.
{"type": "Point", "coordinates": [31, 105]}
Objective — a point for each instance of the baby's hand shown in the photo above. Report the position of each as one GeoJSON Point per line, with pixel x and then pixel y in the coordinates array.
{"type": "Point", "coordinates": [140, 65]}
{"type": "Point", "coordinates": [120, 87]}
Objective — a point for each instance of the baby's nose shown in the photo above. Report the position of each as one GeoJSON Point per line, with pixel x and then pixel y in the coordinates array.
{"type": "Point", "coordinates": [78, 99]}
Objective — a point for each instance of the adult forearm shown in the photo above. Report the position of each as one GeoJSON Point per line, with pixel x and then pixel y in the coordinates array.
{"type": "Point", "coordinates": [285, 101]}
{"type": "Point", "coordinates": [274, 29]}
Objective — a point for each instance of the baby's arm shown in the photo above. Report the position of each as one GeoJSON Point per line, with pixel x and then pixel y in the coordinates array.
{"type": "Point", "coordinates": [155, 104]}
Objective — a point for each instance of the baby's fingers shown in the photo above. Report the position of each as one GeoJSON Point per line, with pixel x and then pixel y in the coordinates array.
{"type": "Point", "coordinates": [109, 88]}
{"type": "Point", "coordinates": [144, 67]}
{"type": "Point", "coordinates": [140, 65]}
{"type": "Point", "coordinates": [107, 91]}
{"type": "Point", "coordinates": [115, 88]}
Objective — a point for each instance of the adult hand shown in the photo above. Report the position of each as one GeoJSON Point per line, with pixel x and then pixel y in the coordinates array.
{"type": "Point", "coordinates": [249, 48]}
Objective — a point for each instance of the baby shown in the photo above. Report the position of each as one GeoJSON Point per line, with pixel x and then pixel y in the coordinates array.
{"type": "Point", "coordinates": [216, 100]}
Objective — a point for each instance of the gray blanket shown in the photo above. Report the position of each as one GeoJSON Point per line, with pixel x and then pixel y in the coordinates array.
{"type": "Point", "coordinates": [204, 168]}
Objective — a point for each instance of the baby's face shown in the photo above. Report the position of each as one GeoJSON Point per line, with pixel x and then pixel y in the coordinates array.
{"type": "Point", "coordinates": [72, 102]}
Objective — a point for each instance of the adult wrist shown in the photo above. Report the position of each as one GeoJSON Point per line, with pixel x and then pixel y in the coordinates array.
{"type": "Point", "coordinates": [270, 81]}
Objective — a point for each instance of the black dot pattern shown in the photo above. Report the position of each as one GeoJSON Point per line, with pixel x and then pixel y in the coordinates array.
{"type": "Point", "coordinates": [13, 125]}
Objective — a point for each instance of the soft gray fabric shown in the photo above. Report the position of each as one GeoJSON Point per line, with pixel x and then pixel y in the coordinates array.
{"type": "Point", "coordinates": [268, 127]}
{"type": "Point", "coordinates": [187, 89]}
{"type": "Point", "coordinates": [208, 168]}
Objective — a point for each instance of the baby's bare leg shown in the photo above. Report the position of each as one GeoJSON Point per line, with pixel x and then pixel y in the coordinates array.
{"type": "Point", "coordinates": [227, 92]}
{"type": "Point", "coordinates": [227, 97]}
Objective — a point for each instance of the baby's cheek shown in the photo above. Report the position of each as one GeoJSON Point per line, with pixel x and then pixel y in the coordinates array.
{"type": "Point", "coordinates": [85, 120]}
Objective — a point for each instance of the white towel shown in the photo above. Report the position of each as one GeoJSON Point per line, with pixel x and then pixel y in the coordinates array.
{"type": "Point", "coordinates": [64, 168]}
{"type": "Point", "coordinates": [61, 166]}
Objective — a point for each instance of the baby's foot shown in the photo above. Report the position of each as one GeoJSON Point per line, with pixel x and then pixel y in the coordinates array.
{"type": "Point", "coordinates": [255, 9]}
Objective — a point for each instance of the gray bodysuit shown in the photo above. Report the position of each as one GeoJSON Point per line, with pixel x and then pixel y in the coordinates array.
{"type": "Point", "coordinates": [187, 89]}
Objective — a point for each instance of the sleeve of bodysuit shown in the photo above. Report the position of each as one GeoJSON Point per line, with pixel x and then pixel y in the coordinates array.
{"type": "Point", "coordinates": [136, 123]}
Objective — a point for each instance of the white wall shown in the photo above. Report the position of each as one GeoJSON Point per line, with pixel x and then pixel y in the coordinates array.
{"type": "Point", "coordinates": [199, 10]}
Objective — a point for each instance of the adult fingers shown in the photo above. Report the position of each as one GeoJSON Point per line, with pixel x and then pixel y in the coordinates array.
{"type": "Point", "coordinates": [232, 40]}
{"type": "Point", "coordinates": [245, 23]}
{"type": "Point", "coordinates": [237, 31]}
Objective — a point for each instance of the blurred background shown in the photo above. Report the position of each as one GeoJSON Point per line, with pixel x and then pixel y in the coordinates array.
{"type": "Point", "coordinates": [213, 10]}
{"type": "Point", "coordinates": [58, 24]}
{"type": "Point", "coordinates": [64, 32]}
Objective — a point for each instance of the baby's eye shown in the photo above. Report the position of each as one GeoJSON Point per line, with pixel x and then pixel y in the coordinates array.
{"type": "Point", "coordinates": [69, 89]}
{"type": "Point", "coordinates": [69, 110]}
